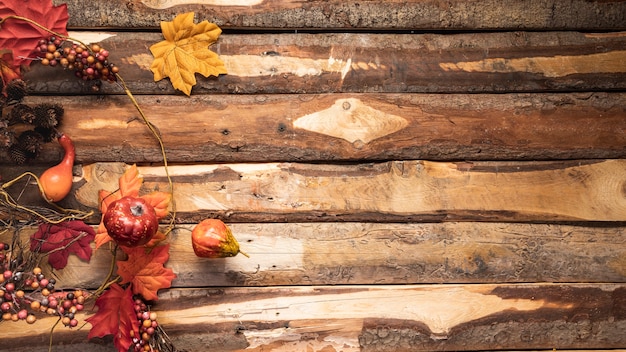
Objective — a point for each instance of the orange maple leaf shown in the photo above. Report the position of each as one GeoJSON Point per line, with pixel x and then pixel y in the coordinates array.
{"type": "Point", "coordinates": [129, 185]}
{"type": "Point", "coordinates": [144, 270]}
{"type": "Point", "coordinates": [156, 239]}
{"type": "Point", "coordinates": [7, 71]}
{"type": "Point", "coordinates": [185, 52]}
{"type": "Point", "coordinates": [102, 236]}
{"type": "Point", "coordinates": [130, 182]}
{"type": "Point", "coordinates": [160, 201]}
{"type": "Point", "coordinates": [105, 198]}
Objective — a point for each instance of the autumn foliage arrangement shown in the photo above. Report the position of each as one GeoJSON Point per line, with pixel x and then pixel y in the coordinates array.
{"type": "Point", "coordinates": [134, 223]}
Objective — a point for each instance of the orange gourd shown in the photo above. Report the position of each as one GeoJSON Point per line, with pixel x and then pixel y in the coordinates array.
{"type": "Point", "coordinates": [211, 238]}
{"type": "Point", "coordinates": [56, 182]}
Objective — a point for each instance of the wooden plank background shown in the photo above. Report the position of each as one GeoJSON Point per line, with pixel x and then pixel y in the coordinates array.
{"type": "Point", "coordinates": [377, 63]}
{"type": "Point", "coordinates": [354, 14]}
{"type": "Point", "coordinates": [405, 175]}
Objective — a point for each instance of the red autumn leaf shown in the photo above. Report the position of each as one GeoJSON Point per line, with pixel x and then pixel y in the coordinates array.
{"type": "Point", "coordinates": [115, 316]}
{"type": "Point", "coordinates": [145, 270]}
{"type": "Point", "coordinates": [22, 37]}
{"type": "Point", "coordinates": [61, 240]}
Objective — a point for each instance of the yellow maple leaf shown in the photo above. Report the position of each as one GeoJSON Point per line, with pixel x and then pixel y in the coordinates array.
{"type": "Point", "coordinates": [185, 52]}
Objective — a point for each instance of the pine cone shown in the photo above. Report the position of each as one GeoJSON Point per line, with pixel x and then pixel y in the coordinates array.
{"type": "Point", "coordinates": [7, 138]}
{"type": "Point", "coordinates": [21, 113]}
{"type": "Point", "coordinates": [31, 142]}
{"type": "Point", "coordinates": [48, 115]}
{"type": "Point", "coordinates": [16, 90]}
{"type": "Point", "coordinates": [17, 154]}
{"type": "Point", "coordinates": [48, 134]}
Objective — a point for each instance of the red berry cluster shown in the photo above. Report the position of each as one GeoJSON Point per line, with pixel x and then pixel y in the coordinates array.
{"type": "Point", "coordinates": [25, 294]}
{"type": "Point", "coordinates": [88, 63]}
{"type": "Point", "coordinates": [147, 327]}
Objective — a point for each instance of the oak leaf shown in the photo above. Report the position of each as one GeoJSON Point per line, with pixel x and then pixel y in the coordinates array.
{"type": "Point", "coordinates": [145, 272]}
{"type": "Point", "coordinates": [185, 52]}
{"type": "Point", "coordinates": [115, 316]}
{"type": "Point", "coordinates": [22, 37]}
{"type": "Point", "coordinates": [61, 240]}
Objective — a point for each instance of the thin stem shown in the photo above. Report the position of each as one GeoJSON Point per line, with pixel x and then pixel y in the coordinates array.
{"type": "Point", "coordinates": [108, 282]}
{"type": "Point", "coordinates": [75, 239]}
{"type": "Point", "coordinates": [156, 135]}
{"type": "Point", "coordinates": [73, 214]}
{"type": "Point", "coordinates": [51, 333]}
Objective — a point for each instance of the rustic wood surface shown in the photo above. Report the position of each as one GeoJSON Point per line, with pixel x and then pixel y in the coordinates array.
{"type": "Point", "coordinates": [367, 253]}
{"type": "Point", "coordinates": [406, 175]}
{"type": "Point", "coordinates": [350, 15]}
{"type": "Point", "coordinates": [401, 190]}
{"type": "Point", "coordinates": [344, 127]}
{"type": "Point", "coordinates": [374, 318]}
{"type": "Point", "coordinates": [558, 191]}
{"type": "Point", "coordinates": [360, 62]}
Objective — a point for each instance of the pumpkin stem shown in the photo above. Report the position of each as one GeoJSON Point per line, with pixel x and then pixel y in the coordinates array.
{"type": "Point", "coordinates": [137, 210]}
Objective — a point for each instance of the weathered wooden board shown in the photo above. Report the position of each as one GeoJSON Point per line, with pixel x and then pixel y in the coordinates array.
{"type": "Point", "coordinates": [349, 15]}
{"type": "Point", "coordinates": [367, 253]}
{"type": "Point", "coordinates": [405, 191]}
{"type": "Point", "coordinates": [358, 62]}
{"type": "Point", "coordinates": [400, 191]}
{"type": "Point", "coordinates": [373, 318]}
{"type": "Point", "coordinates": [314, 148]}
{"type": "Point", "coordinates": [344, 127]}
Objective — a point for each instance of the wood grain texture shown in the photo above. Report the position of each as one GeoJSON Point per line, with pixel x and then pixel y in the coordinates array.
{"type": "Point", "coordinates": [348, 15]}
{"type": "Point", "coordinates": [404, 191]}
{"type": "Point", "coordinates": [416, 175]}
{"type": "Point", "coordinates": [398, 191]}
{"type": "Point", "coordinates": [375, 318]}
{"type": "Point", "coordinates": [359, 62]}
{"type": "Point", "coordinates": [344, 127]}
{"type": "Point", "coordinates": [368, 253]}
